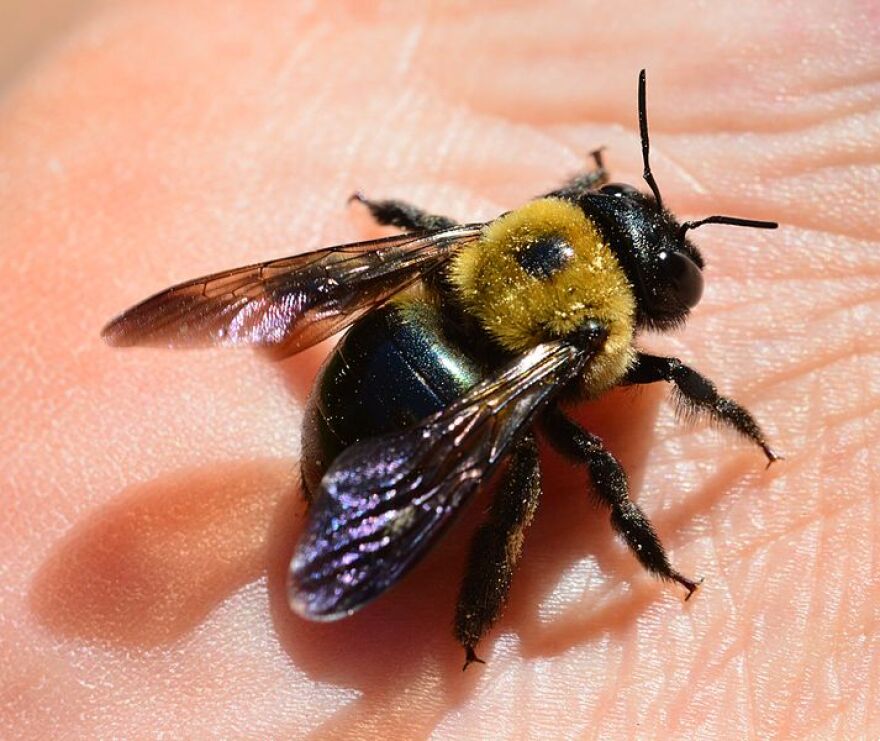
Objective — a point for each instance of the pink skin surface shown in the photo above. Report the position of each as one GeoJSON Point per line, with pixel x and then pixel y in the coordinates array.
{"type": "Point", "coordinates": [150, 497]}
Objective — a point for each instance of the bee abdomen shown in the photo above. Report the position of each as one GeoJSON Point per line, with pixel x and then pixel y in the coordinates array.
{"type": "Point", "coordinates": [393, 368]}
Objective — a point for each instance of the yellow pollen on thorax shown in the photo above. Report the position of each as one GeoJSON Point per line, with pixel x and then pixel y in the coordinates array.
{"type": "Point", "coordinates": [521, 310]}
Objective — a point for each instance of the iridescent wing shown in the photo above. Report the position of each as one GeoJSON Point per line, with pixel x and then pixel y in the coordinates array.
{"type": "Point", "coordinates": [289, 304]}
{"type": "Point", "coordinates": [386, 499]}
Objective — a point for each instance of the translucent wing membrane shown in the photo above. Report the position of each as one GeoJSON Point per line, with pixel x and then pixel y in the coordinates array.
{"type": "Point", "coordinates": [287, 304]}
{"type": "Point", "coordinates": [385, 500]}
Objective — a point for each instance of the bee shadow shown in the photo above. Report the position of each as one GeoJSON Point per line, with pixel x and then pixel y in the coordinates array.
{"type": "Point", "coordinates": [299, 371]}
{"type": "Point", "coordinates": [143, 572]}
{"type": "Point", "coordinates": [145, 569]}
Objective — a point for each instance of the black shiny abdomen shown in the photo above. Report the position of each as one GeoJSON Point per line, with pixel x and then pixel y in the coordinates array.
{"type": "Point", "coordinates": [392, 368]}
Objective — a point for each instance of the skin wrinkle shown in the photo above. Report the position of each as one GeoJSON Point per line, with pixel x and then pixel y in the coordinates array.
{"type": "Point", "coordinates": [736, 650]}
{"type": "Point", "coordinates": [814, 605]}
{"type": "Point", "coordinates": [215, 148]}
{"type": "Point", "coordinates": [698, 671]}
{"type": "Point", "coordinates": [754, 121]}
{"type": "Point", "coordinates": [809, 367]}
{"type": "Point", "coordinates": [817, 312]}
{"type": "Point", "coordinates": [849, 306]}
{"type": "Point", "coordinates": [840, 141]}
{"type": "Point", "coordinates": [753, 548]}
{"type": "Point", "coordinates": [875, 564]}
{"type": "Point", "coordinates": [833, 113]}
{"type": "Point", "coordinates": [838, 628]}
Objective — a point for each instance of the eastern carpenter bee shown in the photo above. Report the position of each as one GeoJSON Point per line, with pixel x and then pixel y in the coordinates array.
{"type": "Point", "coordinates": [463, 340]}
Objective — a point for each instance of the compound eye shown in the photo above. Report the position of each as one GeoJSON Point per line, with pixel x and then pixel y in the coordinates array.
{"type": "Point", "coordinates": [620, 190]}
{"type": "Point", "coordinates": [685, 277]}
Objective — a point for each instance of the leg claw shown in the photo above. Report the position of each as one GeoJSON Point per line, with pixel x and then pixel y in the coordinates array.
{"type": "Point", "coordinates": [470, 658]}
{"type": "Point", "coordinates": [596, 154]}
{"type": "Point", "coordinates": [772, 456]}
{"type": "Point", "coordinates": [688, 584]}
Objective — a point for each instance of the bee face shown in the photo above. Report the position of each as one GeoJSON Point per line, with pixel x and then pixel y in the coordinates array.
{"type": "Point", "coordinates": [662, 265]}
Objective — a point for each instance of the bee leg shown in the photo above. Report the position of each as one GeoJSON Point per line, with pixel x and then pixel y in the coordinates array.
{"type": "Point", "coordinates": [584, 183]}
{"type": "Point", "coordinates": [610, 484]}
{"type": "Point", "coordinates": [304, 488]}
{"type": "Point", "coordinates": [403, 214]}
{"type": "Point", "coordinates": [698, 394]}
{"type": "Point", "coordinates": [496, 548]}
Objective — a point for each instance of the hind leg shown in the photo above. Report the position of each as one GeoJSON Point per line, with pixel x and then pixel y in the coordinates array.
{"type": "Point", "coordinates": [496, 548]}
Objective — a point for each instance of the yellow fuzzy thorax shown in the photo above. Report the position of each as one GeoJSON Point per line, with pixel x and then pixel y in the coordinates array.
{"type": "Point", "coordinates": [521, 310]}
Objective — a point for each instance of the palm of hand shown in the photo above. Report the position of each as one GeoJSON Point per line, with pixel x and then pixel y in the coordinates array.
{"type": "Point", "coordinates": [159, 604]}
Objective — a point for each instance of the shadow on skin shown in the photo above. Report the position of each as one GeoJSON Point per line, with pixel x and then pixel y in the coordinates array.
{"type": "Point", "coordinates": [151, 565]}
{"type": "Point", "coordinates": [300, 370]}
{"type": "Point", "coordinates": [146, 569]}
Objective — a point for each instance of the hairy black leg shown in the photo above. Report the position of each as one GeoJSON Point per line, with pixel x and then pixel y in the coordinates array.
{"type": "Point", "coordinates": [698, 394]}
{"type": "Point", "coordinates": [496, 548]}
{"type": "Point", "coordinates": [403, 214]}
{"type": "Point", "coordinates": [582, 184]}
{"type": "Point", "coordinates": [304, 488]}
{"type": "Point", "coordinates": [610, 484]}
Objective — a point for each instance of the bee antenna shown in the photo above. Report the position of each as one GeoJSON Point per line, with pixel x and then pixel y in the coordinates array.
{"type": "Point", "coordinates": [643, 131]}
{"type": "Point", "coordinates": [730, 220]}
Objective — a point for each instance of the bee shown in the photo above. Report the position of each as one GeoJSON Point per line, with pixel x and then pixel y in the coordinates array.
{"type": "Point", "coordinates": [463, 341]}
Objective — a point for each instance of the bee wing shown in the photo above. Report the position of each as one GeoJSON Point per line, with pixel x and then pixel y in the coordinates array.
{"type": "Point", "coordinates": [289, 304]}
{"type": "Point", "coordinates": [385, 500]}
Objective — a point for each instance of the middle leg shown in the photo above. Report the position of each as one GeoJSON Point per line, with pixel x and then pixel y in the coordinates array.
{"type": "Point", "coordinates": [609, 481]}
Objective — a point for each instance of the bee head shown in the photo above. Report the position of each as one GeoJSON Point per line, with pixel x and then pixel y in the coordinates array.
{"type": "Point", "coordinates": [663, 266]}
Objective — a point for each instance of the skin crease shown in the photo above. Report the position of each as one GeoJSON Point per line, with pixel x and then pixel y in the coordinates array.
{"type": "Point", "coordinates": [150, 497]}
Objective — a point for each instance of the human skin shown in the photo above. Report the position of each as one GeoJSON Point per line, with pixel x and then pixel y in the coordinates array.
{"type": "Point", "coordinates": [151, 497]}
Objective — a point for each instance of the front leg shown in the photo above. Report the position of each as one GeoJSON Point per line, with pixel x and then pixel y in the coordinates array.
{"type": "Point", "coordinates": [698, 394]}
{"type": "Point", "coordinates": [403, 215]}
